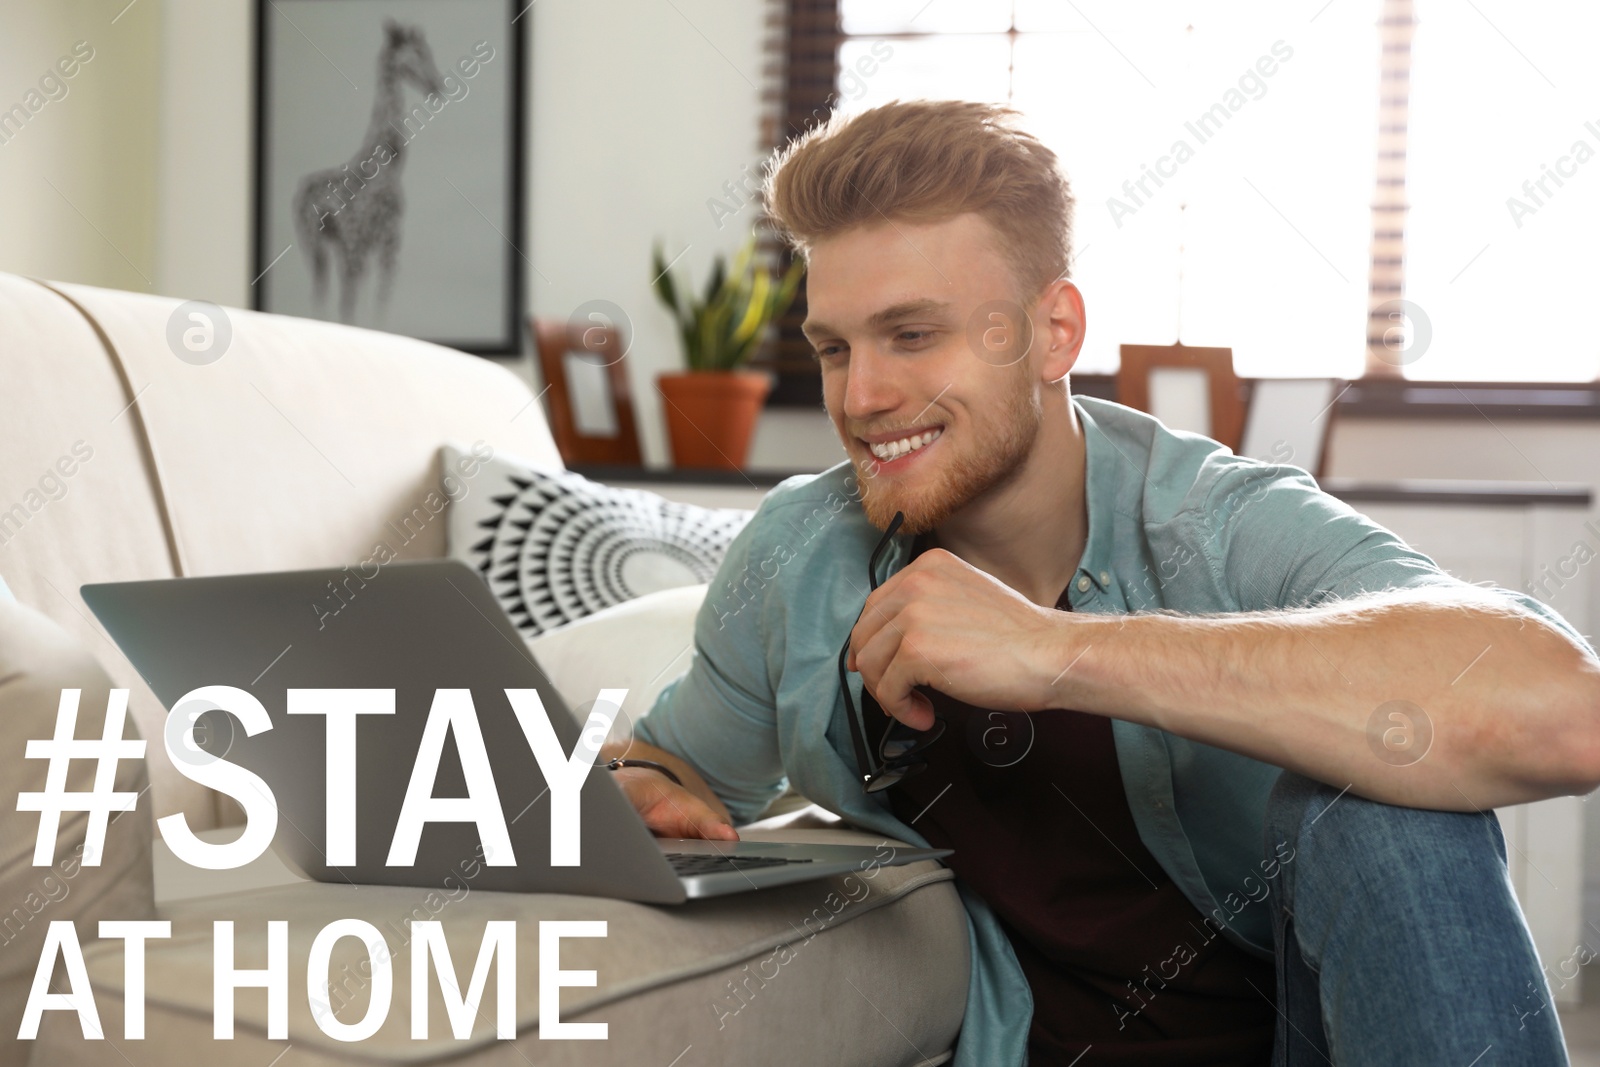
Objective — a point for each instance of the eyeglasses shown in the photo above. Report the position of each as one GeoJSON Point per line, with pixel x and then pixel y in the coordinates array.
{"type": "Point", "coordinates": [900, 752]}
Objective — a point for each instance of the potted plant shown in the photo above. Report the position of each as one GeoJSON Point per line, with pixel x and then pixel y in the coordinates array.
{"type": "Point", "coordinates": [711, 411]}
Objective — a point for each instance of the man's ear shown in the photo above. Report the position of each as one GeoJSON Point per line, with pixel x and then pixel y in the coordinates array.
{"type": "Point", "coordinates": [1061, 306]}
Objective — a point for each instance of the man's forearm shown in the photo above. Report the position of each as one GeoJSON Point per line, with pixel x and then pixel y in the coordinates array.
{"type": "Point", "coordinates": [1513, 706]}
{"type": "Point", "coordinates": [692, 781]}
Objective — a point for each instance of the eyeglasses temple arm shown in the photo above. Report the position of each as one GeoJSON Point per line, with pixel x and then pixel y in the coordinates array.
{"type": "Point", "coordinates": [867, 766]}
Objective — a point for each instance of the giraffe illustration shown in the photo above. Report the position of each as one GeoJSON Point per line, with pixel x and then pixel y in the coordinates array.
{"type": "Point", "coordinates": [355, 209]}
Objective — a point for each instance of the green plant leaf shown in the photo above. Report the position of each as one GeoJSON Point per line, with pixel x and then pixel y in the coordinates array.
{"type": "Point", "coordinates": [788, 288]}
{"type": "Point", "coordinates": [713, 326]}
{"type": "Point", "coordinates": [741, 260]}
{"type": "Point", "coordinates": [664, 287]}
{"type": "Point", "coordinates": [757, 309]}
{"type": "Point", "coordinates": [718, 278]}
{"type": "Point", "coordinates": [722, 331]}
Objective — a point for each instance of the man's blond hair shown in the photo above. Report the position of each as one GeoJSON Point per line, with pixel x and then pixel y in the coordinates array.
{"type": "Point", "coordinates": [927, 161]}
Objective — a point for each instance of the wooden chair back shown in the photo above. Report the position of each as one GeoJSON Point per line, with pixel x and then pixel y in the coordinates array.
{"type": "Point", "coordinates": [1226, 399]}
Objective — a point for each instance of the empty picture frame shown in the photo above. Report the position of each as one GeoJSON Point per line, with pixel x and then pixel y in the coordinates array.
{"type": "Point", "coordinates": [388, 187]}
{"type": "Point", "coordinates": [590, 398]}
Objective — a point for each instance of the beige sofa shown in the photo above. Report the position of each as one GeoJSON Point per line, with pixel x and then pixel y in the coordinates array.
{"type": "Point", "coordinates": [300, 447]}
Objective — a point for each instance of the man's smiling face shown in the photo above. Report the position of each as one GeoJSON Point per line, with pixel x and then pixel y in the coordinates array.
{"type": "Point", "coordinates": [924, 362]}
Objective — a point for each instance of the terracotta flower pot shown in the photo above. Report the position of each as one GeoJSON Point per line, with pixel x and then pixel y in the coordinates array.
{"type": "Point", "coordinates": [711, 415]}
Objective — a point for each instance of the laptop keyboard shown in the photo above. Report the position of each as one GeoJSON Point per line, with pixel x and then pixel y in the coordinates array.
{"type": "Point", "coordinates": [693, 863]}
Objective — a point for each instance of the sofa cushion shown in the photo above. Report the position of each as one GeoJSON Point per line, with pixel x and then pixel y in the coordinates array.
{"type": "Point", "coordinates": [555, 546]}
{"type": "Point", "coordinates": [37, 661]}
{"type": "Point", "coordinates": [865, 968]}
{"type": "Point", "coordinates": [640, 645]}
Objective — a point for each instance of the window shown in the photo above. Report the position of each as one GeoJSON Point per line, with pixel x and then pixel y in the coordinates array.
{"type": "Point", "coordinates": [1504, 184]}
{"type": "Point", "coordinates": [1222, 157]}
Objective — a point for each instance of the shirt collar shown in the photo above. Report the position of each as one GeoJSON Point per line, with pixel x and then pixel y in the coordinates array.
{"type": "Point", "coordinates": [1101, 457]}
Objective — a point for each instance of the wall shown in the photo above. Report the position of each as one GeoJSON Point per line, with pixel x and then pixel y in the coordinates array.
{"type": "Point", "coordinates": [206, 151]}
{"type": "Point", "coordinates": [78, 175]}
{"type": "Point", "coordinates": [637, 115]}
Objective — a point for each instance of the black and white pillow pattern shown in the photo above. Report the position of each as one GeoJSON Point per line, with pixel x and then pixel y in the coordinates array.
{"type": "Point", "coordinates": [555, 546]}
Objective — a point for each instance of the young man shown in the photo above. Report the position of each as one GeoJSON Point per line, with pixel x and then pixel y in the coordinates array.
{"type": "Point", "coordinates": [1176, 687]}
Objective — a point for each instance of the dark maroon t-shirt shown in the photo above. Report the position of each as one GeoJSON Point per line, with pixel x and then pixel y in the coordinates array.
{"type": "Point", "coordinates": [1119, 961]}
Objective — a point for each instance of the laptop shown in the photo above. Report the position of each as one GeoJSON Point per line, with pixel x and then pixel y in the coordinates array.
{"type": "Point", "coordinates": [415, 627]}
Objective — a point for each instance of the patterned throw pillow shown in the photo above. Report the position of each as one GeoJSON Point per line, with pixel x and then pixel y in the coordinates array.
{"type": "Point", "coordinates": [555, 546]}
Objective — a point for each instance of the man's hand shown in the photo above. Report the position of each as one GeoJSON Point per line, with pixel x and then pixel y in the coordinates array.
{"type": "Point", "coordinates": [669, 809]}
{"type": "Point", "coordinates": [942, 623]}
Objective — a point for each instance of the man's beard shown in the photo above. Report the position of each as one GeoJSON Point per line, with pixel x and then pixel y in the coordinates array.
{"type": "Point", "coordinates": [961, 478]}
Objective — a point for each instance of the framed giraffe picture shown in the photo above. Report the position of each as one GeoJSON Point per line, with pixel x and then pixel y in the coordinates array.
{"type": "Point", "coordinates": [389, 166]}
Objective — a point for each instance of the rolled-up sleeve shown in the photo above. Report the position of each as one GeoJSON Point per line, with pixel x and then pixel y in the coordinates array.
{"type": "Point", "coordinates": [721, 715]}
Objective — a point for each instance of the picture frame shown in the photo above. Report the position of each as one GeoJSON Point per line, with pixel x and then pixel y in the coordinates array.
{"type": "Point", "coordinates": [389, 167]}
{"type": "Point", "coordinates": [603, 431]}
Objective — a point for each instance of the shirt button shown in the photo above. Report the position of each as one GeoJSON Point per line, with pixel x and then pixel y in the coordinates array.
{"type": "Point", "coordinates": [1083, 584]}
{"type": "Point", "coordinates": [1105, 579]}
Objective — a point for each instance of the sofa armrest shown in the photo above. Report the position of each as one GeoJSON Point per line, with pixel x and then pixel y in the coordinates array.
{"type": "Point", "coordinates": [37, 661]}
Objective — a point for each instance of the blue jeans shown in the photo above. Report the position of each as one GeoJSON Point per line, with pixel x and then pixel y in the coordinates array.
{"type": "Point", "coordinates": [1398, 939]}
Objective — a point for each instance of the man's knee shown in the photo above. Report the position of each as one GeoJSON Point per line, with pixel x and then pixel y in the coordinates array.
{"type": "Point", "coordinates": [1292, 794]}
{"type": "Point", "coordinates": [1343, 833]}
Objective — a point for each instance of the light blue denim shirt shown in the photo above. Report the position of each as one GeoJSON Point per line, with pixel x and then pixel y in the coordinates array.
{"type": "Point", "coordinates": [1176, 521]}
